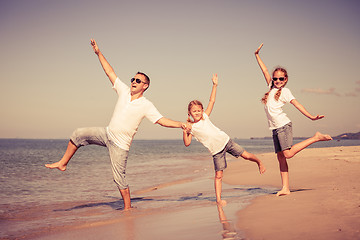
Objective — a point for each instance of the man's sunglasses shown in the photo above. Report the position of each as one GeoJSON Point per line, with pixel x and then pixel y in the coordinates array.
{"type": "Point", "coordinates": [280, 78]}
{"type": "Point", "coordinates": [137, 80]}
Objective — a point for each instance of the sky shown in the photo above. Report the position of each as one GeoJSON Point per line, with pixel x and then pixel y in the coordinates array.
{"type": "Point", "coordinates": [52, 82]}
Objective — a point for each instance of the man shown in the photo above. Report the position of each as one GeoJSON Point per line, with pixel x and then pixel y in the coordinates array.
{"type": "Point", "coordinates": [129, 111]}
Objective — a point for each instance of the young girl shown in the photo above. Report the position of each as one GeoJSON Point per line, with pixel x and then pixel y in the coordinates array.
{"type": "Point", "coordinates": [217, 141]}
{"type": "Point", "coordinates": [280, 124]}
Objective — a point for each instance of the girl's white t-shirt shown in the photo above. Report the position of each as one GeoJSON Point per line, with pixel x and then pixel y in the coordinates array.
{"type": "Point", "coordinates": [276, 117]}
{"type": "Point", "coordinates": [209, 135]}
{"type": "Point", "coordinates": [128, 115]}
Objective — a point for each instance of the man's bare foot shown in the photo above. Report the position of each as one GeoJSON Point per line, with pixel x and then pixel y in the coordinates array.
{"type": "Point", "coordinates": [262, 168]}
{"type": "Point", "coordinates": [57, 165]}
{"type": "Point", "coordinates": [322, 137]}
{"type": "Point", "coordinates": [221, 203]}
{"type": "Point", "coordinates": [283, 192]}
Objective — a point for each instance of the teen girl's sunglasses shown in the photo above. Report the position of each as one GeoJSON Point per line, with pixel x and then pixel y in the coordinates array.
{"type": "Point", "coordinates": [137, 80]}
{"type": "Point", "coordinates": [280, 78]}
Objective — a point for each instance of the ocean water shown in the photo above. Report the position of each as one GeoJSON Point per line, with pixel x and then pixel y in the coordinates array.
{"type": "Point", "coordinates": [35, 199]}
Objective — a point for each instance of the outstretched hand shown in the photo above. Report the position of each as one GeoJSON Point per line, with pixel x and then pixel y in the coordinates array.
{"type": "Point", "coordinates": [215, 79]}
{"type": "Point", "coordinates": [187, 128]}
{"type": "Point", "coordinates": [94, 46]}
{"type": "Point", "coordinates": [317, 117]}
{"type": "Point", "coordinates": [258, 50]}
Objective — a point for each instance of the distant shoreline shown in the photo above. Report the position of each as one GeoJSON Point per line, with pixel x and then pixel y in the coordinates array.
{"type": "Point", "coordinates": [343, 136]}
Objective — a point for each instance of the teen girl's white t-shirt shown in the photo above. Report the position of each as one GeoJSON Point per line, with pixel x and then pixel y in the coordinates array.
{"type": "Point", "coordinates": [210, 136]}
{"type": "Point", "coordinates": [128, 115]}
{"type": "Point", "coordinates": [276, 117]}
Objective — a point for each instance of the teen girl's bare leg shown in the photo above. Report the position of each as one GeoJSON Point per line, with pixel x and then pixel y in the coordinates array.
{"type": "Point", "coordinates": [289, 153]}
{"type": "Point", "coordinates": [284, 172]}
{"type": "Point", "coordinates": [61, 165]}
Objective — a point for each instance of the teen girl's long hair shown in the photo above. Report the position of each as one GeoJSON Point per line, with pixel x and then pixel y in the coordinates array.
{"type": "Point", "coordinates": [278, 93]}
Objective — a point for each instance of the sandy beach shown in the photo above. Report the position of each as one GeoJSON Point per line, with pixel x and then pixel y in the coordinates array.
{"type": "Point", "coordinates": [324, 202]}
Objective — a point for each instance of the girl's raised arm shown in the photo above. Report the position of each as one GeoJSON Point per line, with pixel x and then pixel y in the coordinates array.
{"type": "Point", "coordinates": [262, 65]}
{"type": "Point", "coordinates": [212, 95]}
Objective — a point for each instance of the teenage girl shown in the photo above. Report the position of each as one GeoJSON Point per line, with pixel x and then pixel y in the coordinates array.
{"type": "Point", "coordinates": [280, 124]}
{"type": "Point", "coordinates": [217, 141]}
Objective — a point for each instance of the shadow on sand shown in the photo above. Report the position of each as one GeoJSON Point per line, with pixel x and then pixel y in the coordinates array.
{"type": "Point", "coordinates": [118, 204]}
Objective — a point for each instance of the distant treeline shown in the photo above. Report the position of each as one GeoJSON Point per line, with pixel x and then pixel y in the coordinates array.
{"type": "Point", "coordinates": [341, 136]}
{"type": "Point", "coordinates": [348, 136]}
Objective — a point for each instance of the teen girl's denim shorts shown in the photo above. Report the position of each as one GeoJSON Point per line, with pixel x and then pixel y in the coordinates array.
{"type": "Point", "coordinates": [283, 137]}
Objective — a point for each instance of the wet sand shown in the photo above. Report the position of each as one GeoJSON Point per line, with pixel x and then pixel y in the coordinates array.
{"type": "Point", "coordinates": [324, 202]}
{"type": "Point", "coordinates": [181, 210]}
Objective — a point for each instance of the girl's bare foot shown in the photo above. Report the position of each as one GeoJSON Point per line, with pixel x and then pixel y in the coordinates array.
{"type": "Point", "coordinates": [322, 137]}
{"type": "Point", "coordinates": [129, 209]}
{"type": "Point", "coordinates": [283, 192]}
{"type": "Point", "coordinates": [57, 165]}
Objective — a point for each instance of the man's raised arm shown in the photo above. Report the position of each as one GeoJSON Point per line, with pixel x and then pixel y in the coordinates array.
{"type": "Point", "coordinates": [109, 71]}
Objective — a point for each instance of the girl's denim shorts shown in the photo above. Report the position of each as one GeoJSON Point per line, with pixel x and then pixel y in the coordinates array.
{"type": "Point", "coordinates": [220, 159]}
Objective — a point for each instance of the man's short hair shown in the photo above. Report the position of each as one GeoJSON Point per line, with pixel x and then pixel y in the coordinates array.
{"type": "Point", "coordinates": [147, 79]}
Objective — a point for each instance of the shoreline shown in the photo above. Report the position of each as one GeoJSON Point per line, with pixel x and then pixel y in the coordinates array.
{"type": "Point", "coordinates": [324, 199]}
{"type": "Point", "coordinates": [182, 210]}
{"type": "Point", "coordinates": [323, 204]}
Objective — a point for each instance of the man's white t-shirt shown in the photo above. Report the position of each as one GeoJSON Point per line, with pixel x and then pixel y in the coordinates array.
{"type": "Point", "coordinates": [276, 117]}
{"type": "Point", "coordinates": [128, 115]}
{"type": "Point", "coordinates": [210, 136]}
